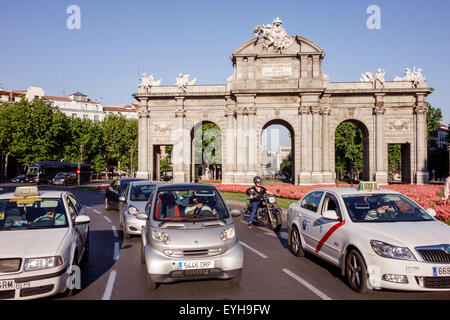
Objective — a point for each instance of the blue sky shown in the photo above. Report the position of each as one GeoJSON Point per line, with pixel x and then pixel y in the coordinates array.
{"type": "Point", "coordinates": [118, 39]}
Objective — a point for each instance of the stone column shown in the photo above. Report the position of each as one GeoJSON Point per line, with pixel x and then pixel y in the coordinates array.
{"type": "Point", "coordinates": [143, 114]}
{"type": "Point", "coordinates": [316, 176]}
{"type": "Point", "coordinates": [305, 147]}
{"type": "Point", "coordinates": [245, 141]}
{"type": "Point", "coordinates": [229, 167]}
{"type": "Point", "coordinates": [252, 143]}
{"type": "Point", "coordinates": [421, 109]}
{"type": "Point", "coordinates": [379, 110]}
{"type": "Point", "coordinates": [240, 151]}
{"type": "Point", "coordinates": [178, 138]}
{"type": "Point", "coordinates": [326, 165]}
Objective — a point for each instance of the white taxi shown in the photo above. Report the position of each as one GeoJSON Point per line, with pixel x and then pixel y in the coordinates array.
{"type": "Point", "coordinates": [43, 235]}
{"type": "Point", "coordinates": [379, 238]}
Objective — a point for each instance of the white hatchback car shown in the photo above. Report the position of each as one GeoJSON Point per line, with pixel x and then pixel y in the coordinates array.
{"type": "Point", "coordinates": [42, 236]}
{"type": "Point", "coordinates": [379, 238]}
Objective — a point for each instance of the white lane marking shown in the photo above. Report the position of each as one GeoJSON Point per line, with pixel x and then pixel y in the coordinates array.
{"type": "Point", "coordinates": [109, 285]}
{"type": "Point", "coordinates": [96, 211]}
{"type": "Point", "coordinates": [116, 251]}
{"type": "Point", "coordinates": [107, 219]}
{"type": "Point", "coordinates": [262, 255]}
{"type": "Point", "coordinates": [116, 234]}
{"type": "Point", "coordinates": [282, 235]}
{"type": "Point", "coordinates": [322, 295]}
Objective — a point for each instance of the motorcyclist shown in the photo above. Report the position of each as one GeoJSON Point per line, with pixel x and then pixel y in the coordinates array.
{"type": "Point", "coordinates": [255, 194]}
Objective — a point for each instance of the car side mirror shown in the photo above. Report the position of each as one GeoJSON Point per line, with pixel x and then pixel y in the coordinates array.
{"type": "Point", "coordinates": [142, 216]}
{"type": "Point", "coordinates": [330, 215]}
{"type": "Point", "coordinates": [82, 220]}
{"type": "Point", "coordinates": [122, 199]}
{"type": "Point", "coordinates": [235, 213]}
{"type": "Point", "coordinates": [431, 212]}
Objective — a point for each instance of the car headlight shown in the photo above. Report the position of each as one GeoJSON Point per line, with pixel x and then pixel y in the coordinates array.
{"type": "Point", "coordinates": [271, 200]}
{"type": "Point", "coordinates": [228, 233]}
{"type": "Point", "coordinates": [160, 236]}
{"type": "Point", "coordinates": [133, 211]}
{"type": "Point", "coordinates": [390, 251]}
{"type": "Point", "coordinates": [42, 263]}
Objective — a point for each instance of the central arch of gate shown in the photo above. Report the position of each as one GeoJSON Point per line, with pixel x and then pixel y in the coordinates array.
{"type": "Point", "coordinates": [285, 86]}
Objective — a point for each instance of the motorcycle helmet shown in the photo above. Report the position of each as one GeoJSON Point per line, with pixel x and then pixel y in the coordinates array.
{"type": "Point", "coordinates": [257, 179]}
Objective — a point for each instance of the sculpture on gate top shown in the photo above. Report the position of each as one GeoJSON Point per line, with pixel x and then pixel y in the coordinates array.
{"type": "Point", "coordinates": [148, 82]}
{"type": "Point", "coordinates": [274, 36]}
{"type": "Point", "coordinates": [414, 76]}
{"type": "Point", "coordinates": [183, 81]}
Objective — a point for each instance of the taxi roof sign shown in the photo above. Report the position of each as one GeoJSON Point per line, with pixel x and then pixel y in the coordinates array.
{"type": "Point", "coordinates": [368, 185]}
{"type": "Point", "coordinates": [26, 191]}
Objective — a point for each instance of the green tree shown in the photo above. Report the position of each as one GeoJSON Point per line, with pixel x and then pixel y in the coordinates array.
{"type": "Point", "coordinates": [286, 166]}
{"type": "Point", "coordinates": [434, 117]}
{"type": "Point", "coordinates": [208, 147]}
{"type": "Point", "coordinates": [349, 148]}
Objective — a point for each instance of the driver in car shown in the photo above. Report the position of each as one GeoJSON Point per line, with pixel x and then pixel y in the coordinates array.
{"type": "Point", "coordinates": [197, 207]}
{"type": "Point", "coordinates": [50, 215]}
{"type": "Point", "coordinates": [383, 208]}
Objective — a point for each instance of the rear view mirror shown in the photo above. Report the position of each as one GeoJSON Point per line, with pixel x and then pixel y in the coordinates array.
{"type": "Point", "coordinates": [142, 216]}
{"type": "Point", "coordinates": [82, 220]}
{"type": "Point", "coordinates": [235, 213]}
{"type": "Point", "coordinates": [431, 212]}
{"type": "Point", "coordinates": [330, 215]}
{"type": "Point", "coordinates": [122, 199]}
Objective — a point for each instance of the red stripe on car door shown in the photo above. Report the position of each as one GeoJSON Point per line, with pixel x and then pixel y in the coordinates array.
{"type": "Point", "coordinates": [328, 234]}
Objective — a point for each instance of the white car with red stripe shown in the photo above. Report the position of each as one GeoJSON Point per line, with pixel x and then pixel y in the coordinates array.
{"type": "Point", "coordinates": [43, 238]}
{"type": "Point", "coordinates": [380, 239]}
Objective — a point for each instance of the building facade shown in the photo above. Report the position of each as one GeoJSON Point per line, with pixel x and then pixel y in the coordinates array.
{"type": "Point", "coordinates": [278, 79]}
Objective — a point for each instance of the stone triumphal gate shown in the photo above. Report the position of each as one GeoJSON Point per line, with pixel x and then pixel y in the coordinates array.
{"type": "Point", "coordinates": [278, 79]}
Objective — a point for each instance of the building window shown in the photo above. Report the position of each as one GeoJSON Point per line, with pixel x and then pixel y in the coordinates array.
{"type": "Point", "coordinates": [85, 116]}
{"type": "Point", "coordinates": [96, 118]}
{"type": "Point", "coordinates": [36, 98]}
{"type": "Point", "coordinates": [74, 115]}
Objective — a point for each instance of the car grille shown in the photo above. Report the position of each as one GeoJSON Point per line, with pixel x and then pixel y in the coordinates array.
{"type": "Point", "coordinates": [434, 282]}
{"type": "Point", "coordinates": [434, 255]}
{"type": "Point", "coordinates": [195, 253]}
{"type": "Point", "coordinates": [27, 292]}
{"type": "Point", "coordinates": [8, 294]}
{"type": "Point", "coordinates": [10, 265]}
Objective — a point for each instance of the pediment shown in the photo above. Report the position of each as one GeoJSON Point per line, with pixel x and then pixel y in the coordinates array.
{"type": "Point", "coordinates": [300, 45]}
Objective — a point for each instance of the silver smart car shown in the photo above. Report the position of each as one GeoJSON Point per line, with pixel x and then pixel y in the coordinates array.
{"type": "Point", "coordinates": [132, 203]}
{"type": "Point", "coordinates": [189, 235]}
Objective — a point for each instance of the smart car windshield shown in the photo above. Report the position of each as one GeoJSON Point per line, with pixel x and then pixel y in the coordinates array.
{"type": "Point", "coordinates": [32, 213]}
{"type": "Point", "coordinates": [383, 208]}
{"type": "Point", "coordinates": [189, 205]}
{"type": "Point", "coordinates": [141, 192]}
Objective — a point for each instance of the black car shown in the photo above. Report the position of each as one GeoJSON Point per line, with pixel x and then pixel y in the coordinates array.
{"type": "Point", "coordinates": [116, 190]}
{"type": "Point", "coordinates": [64, 178]}
{"type": "Point", "coordinates": [19, 179]}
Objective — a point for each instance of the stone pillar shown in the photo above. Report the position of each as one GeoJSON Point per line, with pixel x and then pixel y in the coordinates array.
{"type": "Point", "coordinates": [316, 66]}
{"type": "Point", "coordinates": [144, 115]}
{"type": "Point", "coordinates": [245, 141]}
{"type": "Point", "coordinates": [326, 165]}
{"type": "Point", "coordinates": [252, 143]}
{"type": "Point", "coordinates": [305, 147]}
{"type": "Point", "coordinates": [178, 138]}
{"type": "Point", "coordinates": [379, 110]}
{"type": "Point", "coordinates": [240, 151]}
{"type": "Point", "coordinates": [421, 109]}
{"type": "Point", "coordinates": [229, 167]}
{"type": "Point", "coordinates": [317, 175]}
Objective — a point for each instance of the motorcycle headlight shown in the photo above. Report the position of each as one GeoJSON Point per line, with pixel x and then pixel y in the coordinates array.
{"type": "Point", "coordinates": [42, 263]}
{"type": "Point", "coordinates": [160, 236]}
{"type": "Point", "coordinates": [228, 233]}
{"type": "Point", "coordinates": [389, 251]}
{"type": "Point", "coordinates": [271, 200]}
{"type": "Point", "coordinates": [133, 211]}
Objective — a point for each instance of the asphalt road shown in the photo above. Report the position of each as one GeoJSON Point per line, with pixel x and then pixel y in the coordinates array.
{"type": "Point", "coordinates": [271, 272]}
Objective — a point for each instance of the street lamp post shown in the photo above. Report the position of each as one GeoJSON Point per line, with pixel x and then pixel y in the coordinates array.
{"type": "Point", "coordinates": [79, 163]}
{"type": "Point", "coordinates": [131, 160]}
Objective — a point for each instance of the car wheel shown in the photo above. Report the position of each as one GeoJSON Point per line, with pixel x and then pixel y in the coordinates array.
{"type": "Point", "coordinates": [150, 284]}
{"type": "Point", "coordinates": [356, 272]}
{"type": "Point", "coordinates": [86, 252]}
{"type": "Point", "coordinates": [296, 243]}
{"type": "Point", "coordinates": [107, 205]}
{"type": "Point", "coordinates": [142, 254]}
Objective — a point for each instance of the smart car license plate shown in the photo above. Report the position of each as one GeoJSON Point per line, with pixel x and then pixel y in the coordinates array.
{"type": "Point", "coordinates": [11, 285]}
{"type": "Point", "coordinates": [192, 265]}
{"type": "Point", "coordinates": [441, 271]}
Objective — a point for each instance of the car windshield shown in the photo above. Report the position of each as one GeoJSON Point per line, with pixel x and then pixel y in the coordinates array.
{"type": "Point", "coordinates": [33, 171]}
{"type": "Point", "coordinates": [32, 213]}
{"type": "Point", "coordinates": [141, 192]}
{"type": "Point", "coordinates": [189, 205]}
{"type": "Point", "coordinates": [384, 208]}
{"type": "Point", "coordinates": [60, 175]}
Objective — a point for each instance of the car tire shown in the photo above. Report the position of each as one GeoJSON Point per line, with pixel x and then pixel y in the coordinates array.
{"type": "Point", "coordinates": [151, 285]}
{"type": "Point", "coordinates": [85, 258]}
{"type": "Point", "coordinates": [356, 272]}
{"type": "Point", "coordinates": [107, 205]}
{"type": "Point", "coordinates": [295, 243]}
{"type": "Point", "coordinates": [142, 254]}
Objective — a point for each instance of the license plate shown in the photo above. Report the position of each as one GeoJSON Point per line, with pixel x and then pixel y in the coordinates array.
{"type": "Point", "coordinates": [12, 285]}
{"type": "Point", "coordinates": [192, 265]}
{"type": "Point", "coordinates": [441, 271]}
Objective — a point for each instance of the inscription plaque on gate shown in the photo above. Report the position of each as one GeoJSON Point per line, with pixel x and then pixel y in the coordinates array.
{"type": "Point", "coordinates": [277, 69]}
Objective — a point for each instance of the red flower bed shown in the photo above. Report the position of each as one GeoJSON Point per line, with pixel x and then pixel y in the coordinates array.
{"type": "Point", "coordinates": [425, 195]}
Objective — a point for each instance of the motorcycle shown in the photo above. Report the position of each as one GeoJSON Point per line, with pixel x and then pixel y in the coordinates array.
{"type": "Point", "coordinates": [268, 213]}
